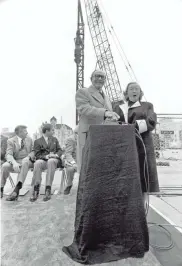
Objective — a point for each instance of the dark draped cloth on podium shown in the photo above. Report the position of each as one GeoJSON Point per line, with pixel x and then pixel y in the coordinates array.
{"type": "Point", "coordinates": [110, 222]}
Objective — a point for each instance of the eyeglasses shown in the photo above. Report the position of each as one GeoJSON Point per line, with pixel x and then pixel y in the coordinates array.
{"type": "Point", "coordinates": [99, 76]}
{"type": "Point", "coordinates": [133, 89]}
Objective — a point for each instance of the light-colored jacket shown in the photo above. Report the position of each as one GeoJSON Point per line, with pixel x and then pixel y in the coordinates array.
{"type": "Point", "coordinates": [13, 152]}
{"type": "Point", "coordinates": [70, 150]}
{"type": "Point", "coordinates": [91, 109]}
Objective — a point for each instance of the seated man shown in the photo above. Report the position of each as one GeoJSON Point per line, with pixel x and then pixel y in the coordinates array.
{"type": "Point", "coordinates": [19, 159]}
{"type": "Point", "coordinates": [3, 148]}
{"type": "Point", "coordinates": [48, 156]}
{"type": "Point", "coordinates": [70, 160]}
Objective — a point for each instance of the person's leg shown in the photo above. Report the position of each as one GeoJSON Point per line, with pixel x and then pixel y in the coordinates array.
{"type": "Point", "coordinates": [70, 171]}
{"type": "Point", "coordinates": [25, 166]}
{"type": "Point", "coordinates": [5, 171]}
{"type": "Point", "coordinates": [39, 166]}
{"type": "Point", "coordinates": [51, 168]}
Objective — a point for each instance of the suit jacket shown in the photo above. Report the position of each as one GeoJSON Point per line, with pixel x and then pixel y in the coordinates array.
{"type": "Point", "coordinates": [13, 149]}
{"type": "Point", "coordinates": [41, 148]}
{"type": "Point", "coordinates": [3, 147]}
{"type": "Point", "coordinates": [91, 108]}
{"type": "Point", "coordinates": [143, 116]}
{"type": "Point", "coordinates": [70, 150]}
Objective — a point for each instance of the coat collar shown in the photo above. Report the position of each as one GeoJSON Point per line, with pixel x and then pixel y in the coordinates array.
{"type": "Point", "coordinates": [136, 104]}
{"type": "Point", "coordinates": [124, 107]}
{"type": "Point", "coordinates": [15, 139]}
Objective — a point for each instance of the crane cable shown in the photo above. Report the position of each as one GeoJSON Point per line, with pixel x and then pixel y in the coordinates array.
{"type": "Point", "coordinates": [124, 59]}
{"type": "Point", "coordinates": [110, 31]}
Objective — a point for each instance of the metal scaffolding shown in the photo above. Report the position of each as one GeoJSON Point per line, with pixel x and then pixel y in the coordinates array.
{"type": "Point", "coordinates": [79, 52]}
{"type": "Point", "coordinates": [102, 48]}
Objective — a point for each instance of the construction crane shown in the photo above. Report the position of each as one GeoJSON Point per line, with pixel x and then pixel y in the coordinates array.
{"type": "Point", "coordinates": [102, 49]}
{"type": "Point", "coordinates": [79, 52]}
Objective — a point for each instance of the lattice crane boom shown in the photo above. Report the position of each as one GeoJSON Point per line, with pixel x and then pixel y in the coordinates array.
{"type": "Point", "coordinates": [102, 49]}
{"type": "Point", "coordinates": [79, 51]}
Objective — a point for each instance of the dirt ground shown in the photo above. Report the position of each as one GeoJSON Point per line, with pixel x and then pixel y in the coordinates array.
{"type": "Point", "coordinates": [33, 234]}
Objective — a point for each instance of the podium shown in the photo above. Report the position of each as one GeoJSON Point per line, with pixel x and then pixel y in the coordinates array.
{"type": "Point", "coordinates": [110, 222]}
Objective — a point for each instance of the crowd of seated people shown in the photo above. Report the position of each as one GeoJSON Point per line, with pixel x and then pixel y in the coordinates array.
{"type": "Point", "coordinates": [19, 154]}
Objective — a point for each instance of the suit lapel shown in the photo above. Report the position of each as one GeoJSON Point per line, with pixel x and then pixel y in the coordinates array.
{"type": "Point", "coordinates": [17, 143]}
{"type": "Point", "coordinates": [50, 142]}
{"type": "Point", "coordinates": [44, 143]}
{"type": "Point", "coordinates": [28, 144]}
{"type": "Point", "coordinates": [96, 95]}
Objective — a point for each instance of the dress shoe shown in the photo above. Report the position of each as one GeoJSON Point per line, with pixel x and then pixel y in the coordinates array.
{"type": "Point", "coordinates": [35, 194]}
{"type": "Point", "coordinates": [47, 195]}
{"type": "Point", "coordinates": [14, 196]}
{"type": "Point", "coordinates": [67, 190]}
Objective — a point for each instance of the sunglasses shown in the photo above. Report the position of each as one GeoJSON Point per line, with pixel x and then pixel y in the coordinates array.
{"type": "Point", "coordinates": [99, 76]}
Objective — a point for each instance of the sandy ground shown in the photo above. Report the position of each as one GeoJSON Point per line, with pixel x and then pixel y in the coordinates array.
{"type": "Point", "coordinates": [33, 234]}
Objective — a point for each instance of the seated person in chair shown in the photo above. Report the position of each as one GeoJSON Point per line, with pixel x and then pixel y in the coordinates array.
{"type": "Point", "coordinates": [19, 159]}
{"type": "Point", "coordinates": [48, 156]}
{"type": "Point", "coordinates": [70, 160]}
{"type": "Point", "coordinates": [3, 148]}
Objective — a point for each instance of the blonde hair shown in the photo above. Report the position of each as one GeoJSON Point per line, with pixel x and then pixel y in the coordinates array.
{"type": "Point", "coordinates": [125, 93]}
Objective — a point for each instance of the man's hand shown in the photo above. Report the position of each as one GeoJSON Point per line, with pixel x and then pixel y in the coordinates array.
{"type": "Point", "coordinates": [108, 114]}
{"type": "Point", "coordinates": [16, 167]}
{"type": "Point", "coordinates": [75, 166]}
{"type": "Point", "coordinates": [112, 115]}
{"type": "Point", "coordinates": [52, 155]}
{"type": "Point", "coordinates": [115, 116]}
{"type": "Point", "coordinates": [32, 157]}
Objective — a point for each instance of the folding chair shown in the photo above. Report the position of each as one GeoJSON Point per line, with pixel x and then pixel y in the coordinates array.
{"type": "Point", "coordinates": [64, 180]}
{"type": "Point", "coordinates": [11, 181]}
{"type": "Point", "coordinates": [23, 191]}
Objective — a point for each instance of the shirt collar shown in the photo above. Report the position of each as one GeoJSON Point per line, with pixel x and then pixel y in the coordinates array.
{"type": "Point", "coordinates": [19, 139]}
{"type": "Point", "coordinates": [45, 137]}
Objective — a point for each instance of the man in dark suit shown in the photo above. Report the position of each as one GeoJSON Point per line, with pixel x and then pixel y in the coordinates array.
{"type": "Point", "coordinates": [48, 156]}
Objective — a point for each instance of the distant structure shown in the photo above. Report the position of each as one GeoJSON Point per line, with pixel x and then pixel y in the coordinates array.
{"type": "Point", "coordinates": [170, 133]}
{"type": "Point", "coordinates": [6, 133]}
{"type": "Point", "coordinates": [62, 131]}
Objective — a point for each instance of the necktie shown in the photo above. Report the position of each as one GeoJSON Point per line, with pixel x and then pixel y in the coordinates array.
{"type": "Point", "coordinates": [48, 142]}
{"type": "Point", "coordinates": [102, 94]}
{"type": "Point", "coordinates": [22, 144]}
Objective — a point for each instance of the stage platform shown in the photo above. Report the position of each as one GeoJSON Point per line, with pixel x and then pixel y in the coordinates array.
{"type": "Point", "coordinates": [33, 234]}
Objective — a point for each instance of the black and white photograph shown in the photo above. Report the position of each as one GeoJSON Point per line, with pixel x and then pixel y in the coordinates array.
{"type": "Point", "coordinates": [91, 132]}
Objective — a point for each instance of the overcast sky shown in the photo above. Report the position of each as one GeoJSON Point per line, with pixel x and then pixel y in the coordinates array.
{"type": "Point", "coordinates": [37, 69]}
